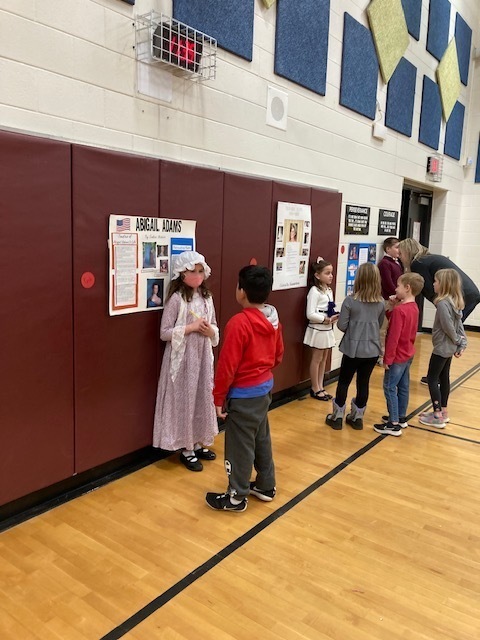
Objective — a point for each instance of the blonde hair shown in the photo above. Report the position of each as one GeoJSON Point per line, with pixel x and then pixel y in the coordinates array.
{"type": "Point", "coordinates": [367, 286]}
{"type": "Point", "coordinates": [450, 286]}
{"type": "Point", "coordinates": [414, 280]}
{"type": "Point", "coordinates": [411, 250]}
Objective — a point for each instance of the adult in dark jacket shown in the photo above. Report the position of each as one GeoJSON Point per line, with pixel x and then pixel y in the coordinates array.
{"type": "Point", "coordinates": [418, 259]}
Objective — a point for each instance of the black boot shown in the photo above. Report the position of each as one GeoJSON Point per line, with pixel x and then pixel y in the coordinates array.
{"type": "Point", "coordinates": [335, 419]}
{"type": "Point", "coordinates": [355, 417]}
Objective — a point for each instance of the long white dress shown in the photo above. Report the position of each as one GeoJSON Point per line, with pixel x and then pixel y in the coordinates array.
{"type": "Point", "coordinates": [185, 412]}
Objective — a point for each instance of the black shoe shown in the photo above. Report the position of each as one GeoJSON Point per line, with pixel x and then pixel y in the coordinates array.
{"type": "Point", "coordinates": [388, 428]}
{"type": "Point", "coordinates": [356, 424]}
{"type": "Point", "coordinates": [222, 502]}
{"type": "Point", "coordinates": [266, 496]}
{"type": "Point", "coordinates": [320, 395]}
{"type": "Point", "coordinates": [424, 380]}
{"type": "Point", "coordinates": [402, 421]}
{"type": "Point", "coordinates": [335, 424]}
{"type": "Point", "coordinates": [191, 462]}
{"type": "Point", "coordinates": [205, 454]}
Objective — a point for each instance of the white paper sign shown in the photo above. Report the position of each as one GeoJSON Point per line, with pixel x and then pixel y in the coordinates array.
{"type": "Point", "coordinates": [292, 245]}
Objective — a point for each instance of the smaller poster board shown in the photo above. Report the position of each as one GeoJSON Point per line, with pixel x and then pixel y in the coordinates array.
{"type": "Point", "coordinates": [357, 255]}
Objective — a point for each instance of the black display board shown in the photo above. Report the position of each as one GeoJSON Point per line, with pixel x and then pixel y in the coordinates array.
{"type": "Point", "coordinates": [357, 220]}
{"type": "Point", "coordinates": [387, 222]}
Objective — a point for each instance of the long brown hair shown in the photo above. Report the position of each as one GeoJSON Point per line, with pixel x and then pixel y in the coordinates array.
{"type": "Point", "coordinates": [185, 291]}
{"type": "Point", "coordinates": [318, 267]}
{"type": "Point", "coordinates": [368, 285]}
{"type": "Point", "coordinates": [411, 250]}
{"type": "Point", "coordinates": [450, 286]}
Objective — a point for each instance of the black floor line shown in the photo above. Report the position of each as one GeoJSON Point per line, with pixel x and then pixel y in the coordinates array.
{"type": "Point", "coordinates": [470, 388]}
{"type": "Point", "coordinates": [463, 426]}
{"type": "Point", "coordinates": [153, 606]}
{"type": "Point", "coordinates": [167, 595]}
{"type": "Point", "coordinates": [455, 385]}
{"type": "Point", "coordinates": [442, 433]}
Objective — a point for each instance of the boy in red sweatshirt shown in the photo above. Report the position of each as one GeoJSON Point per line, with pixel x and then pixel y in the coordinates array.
{"type": "Point", "coordinates": [399, 352]}
{"type": "Point", "coordinates": [252, 347]}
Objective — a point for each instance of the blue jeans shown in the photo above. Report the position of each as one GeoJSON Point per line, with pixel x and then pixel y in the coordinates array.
{"type": "Point", "coordinates": [396, 385]}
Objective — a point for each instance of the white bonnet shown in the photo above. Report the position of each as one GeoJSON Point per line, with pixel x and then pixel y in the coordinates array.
{"type": "Point", "coordinates": [188, 260]}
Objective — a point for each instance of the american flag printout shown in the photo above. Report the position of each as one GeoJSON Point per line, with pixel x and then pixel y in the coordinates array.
{"type": "Point", "coordinates": [123, 225]}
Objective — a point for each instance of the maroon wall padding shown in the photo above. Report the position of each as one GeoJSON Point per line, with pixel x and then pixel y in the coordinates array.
{"type": "Point", "coordinates": [36, 355]}
{"type": "Point", "coordinates": [116, 358]}
{"type": "Point", "coordinates": [250, 215]}
{"type": "Point", "coordinates": [326, 214]}
{"type": "Point", "coordinates": [78, 387]}
{"type": "Point", "coordinates": [247, 225]}
{"type": "Point", "coordinates": [194, 193]}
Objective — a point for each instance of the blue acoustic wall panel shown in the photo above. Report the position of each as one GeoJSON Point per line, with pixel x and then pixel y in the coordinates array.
{"type": "Point", "coordinates": [401, 98]}
{"type": "Point", "coordinates": [454, 131]}
{"type": "Point", "coordinates": [463, 38]}
{"type": "Point", "coordinates": [231, 23]}
{"type": "Point", "coordinates": [358, 88]}
{"type": "Point", "coordinates": [413, 14]}
{"type": "Point", "coordinates": [431, 114]}
{"type": "Point", "coordinates": [477, 170]}
{"type": "Point", "coordinates": [438, 27]}
{"type": "Point", "coordinates": [301, 42]}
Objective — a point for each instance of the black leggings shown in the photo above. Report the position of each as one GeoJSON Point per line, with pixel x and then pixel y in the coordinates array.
{"type": "Point", "coordinates": [363, 367]}
{"type": "Point", "coordinates": [438, 377]}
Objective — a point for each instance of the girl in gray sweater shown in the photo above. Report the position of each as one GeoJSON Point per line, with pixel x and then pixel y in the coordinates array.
{"type": "Point", "coordinates": [360, 320]}
{"type": "Point", "coordinates": [448, 338]}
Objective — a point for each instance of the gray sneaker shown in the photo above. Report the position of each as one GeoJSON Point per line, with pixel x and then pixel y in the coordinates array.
{"type": "Point", "coordinates": [432, 421]}
{"type": "Point", "coordinates": [428, 413]}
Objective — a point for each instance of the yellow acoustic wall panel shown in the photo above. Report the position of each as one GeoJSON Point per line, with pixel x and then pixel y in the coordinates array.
{"type": "Point", "coordinates": [448, 76]}
{"type": "Point", "coordinates": [390, 34]}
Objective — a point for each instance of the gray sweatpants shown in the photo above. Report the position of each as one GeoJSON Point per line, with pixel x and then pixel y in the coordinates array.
{"type": "Point", "coordinates": [247, 444]}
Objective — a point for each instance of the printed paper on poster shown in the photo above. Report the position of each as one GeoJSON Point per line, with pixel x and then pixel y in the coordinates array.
{"type": "Point", "coordinates": [292, 245]}
{"type": "Point", "coordinates": [141, 250]}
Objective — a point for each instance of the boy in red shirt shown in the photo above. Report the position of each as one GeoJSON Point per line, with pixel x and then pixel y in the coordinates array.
{"type": "Point", "coordinates": [252, 347]}
{"type": "Point", "coordinates": [399, 352]}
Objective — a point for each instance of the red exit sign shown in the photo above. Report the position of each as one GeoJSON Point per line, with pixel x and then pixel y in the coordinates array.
{"type": "Point", "coordinates": [433, 165]}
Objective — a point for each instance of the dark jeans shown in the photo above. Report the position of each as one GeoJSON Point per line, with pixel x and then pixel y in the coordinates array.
{"type": "Point", "coordinates": [438, 377]}
{"type": "Point", "coordinates": [363, 367]}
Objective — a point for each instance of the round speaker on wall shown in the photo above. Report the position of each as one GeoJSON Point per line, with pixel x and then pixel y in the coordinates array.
{"type": "Point", "coordinates": [277, 108]}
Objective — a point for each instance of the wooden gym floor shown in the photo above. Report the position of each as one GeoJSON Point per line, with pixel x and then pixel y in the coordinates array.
{"type": "Point", "coordinates": [370, 537]}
